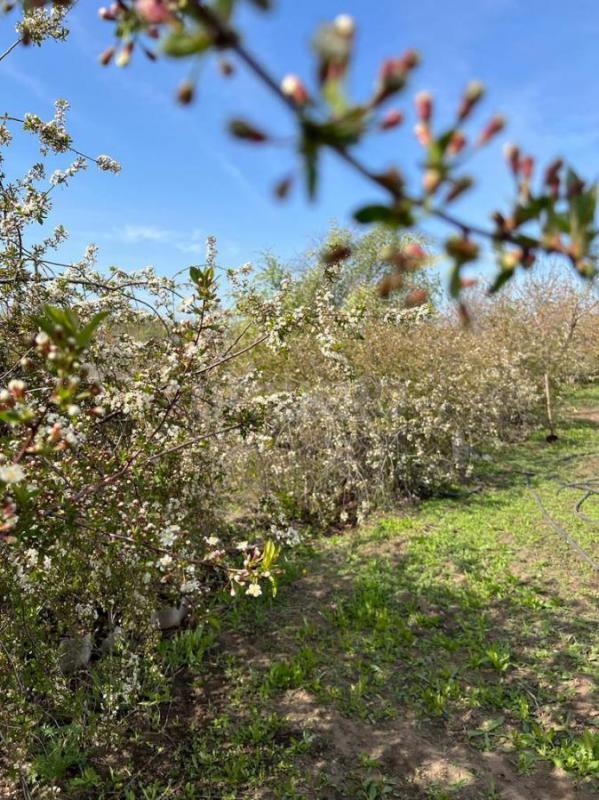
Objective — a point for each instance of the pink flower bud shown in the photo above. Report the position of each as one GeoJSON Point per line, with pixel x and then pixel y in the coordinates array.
{"type": "Point", "coordinates": [153, 11]}
{"type": "Point", "coordinates": [424, 106]}
{"type": "Point", "coordinates": [391, 68]}
{"type": "Point", "coordinates": [468, 283]}
{"type": "Point", "coordinates": [527, 167]}
{"type": "Point", "coordinates": [243, 130]}
{"type": "Point", "coordinates": [186, 92]}
{"type": "Point", "coordinates": [391, 119]}
{"type": "Point", "coordinates": [124, 57]}
{"type": "Point", "coordinates": [459, 187]}
{"type": "Point", "coordinates": [392, 180]}
{"type": "Point", "coordinates": [491, 129]}
{"type": "Point", "coordinates": [336, 253]}
{"type": "Point", "coordinates": [423, 134]}
{"type": "Point", "coordinates": [283, 187]}
{"type": "Point", "coordinates": [335, 71]}
{"type": "Point", "coordinates": [390, 283]}
{"type": "Point", "coordinates": [414, 251]}
{"type": "Point", "coordinates": [55, 433]}
{"type": "Point", "coordinates": [16, 389]}
{"type": "Point", "coordinates": [554, 186]}
{"type": "Point", "coordinates": [431, 180]}
{"type": "Point", "coordinates": [499, 220]}
{"type": "Point", "coordinates": [226, 68]}
{"type": "Point", "coordinates": [409, 60]}
{"type": "Point", "coordinates": [392, 78]}
{"type": "Point", "coordinates": [473, 93]}
{"type": "Point", "coordinates": [293, 87]}
{"type": "Point", "coordinates": [462, 249]}
{"type": "Point", "coordinates": [456, 144]}
{"type": "Point", "coordinates": [106, 56]}
{"type": "Point", "coordinates": [106, 14]}
{"type": "Point", "coordinates": [6, 399]}
{"type": "Point", "coordinates": [416, 297]}
{"type": "Point", "coordinates": [404, 259]}
{"type": "Point", "coordinates": [344, 25]}
{"type": "Point", "coordinates": [551, 173]}
{"type": "Point", "coordinates": [512, 156]}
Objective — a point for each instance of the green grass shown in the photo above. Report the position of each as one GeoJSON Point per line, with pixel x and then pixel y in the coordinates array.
{"type": "Point", "coordinates": [467, 619]}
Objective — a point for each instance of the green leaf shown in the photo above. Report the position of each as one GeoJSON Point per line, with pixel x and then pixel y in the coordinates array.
{"type": "Point", "coordinates": [502, 278]}
{"type": "Point", "coordinates": [455, 283]}
{"type": "Point", "coordinates": [332, 91]}
{"type": "Point", "coordinates": [180, 44]}
{"type": "Point", "coordinates": [224, 8]}
{"type": "Point", "coordinates": [344, 131]}
{"type": "Point", "coordinates": [21, 493]}
{"type": "Point", "coordinates": [269, 555]}
{"type": "Point", "coordinates": [63, 317]}
{"type": "Point", "coordinates": [526, 242]}
{"type": "Point", "coordinates": [84, 336]}
{"type": "Point", "coordinates": [311, 152]}
{"type": "Point", "coordinates": [437, 148]}
{"type": "Point", "coordinates": [573, 181]}
{"type": "Point", "coordinates": [11, 417]}
{"type": "Point", "coordinates": [396, 216]}
{"type": "Point", "coordinates": [584, 206]}
{"type": "Point", "coordinates": [373, 213]}
{"type": "Point", "coordinates": [532, 209]}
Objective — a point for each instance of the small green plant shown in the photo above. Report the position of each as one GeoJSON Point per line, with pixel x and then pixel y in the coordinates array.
{"type": "Point", "coordinates": [188, 648]}
{"type": "Point", "coordinates": [62, 758]}
{"type": "Point", "coordinates": [497, 657]}
{"type": "Point", "coordinates": [376, 787]}
{"type": "Point", "coordinates": [292, 673]}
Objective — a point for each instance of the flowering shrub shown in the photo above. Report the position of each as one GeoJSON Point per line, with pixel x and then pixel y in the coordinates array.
{"type": "Point", "coordinates": [370, 402]}
{"type": "Point", "coordinates": [116, 400]}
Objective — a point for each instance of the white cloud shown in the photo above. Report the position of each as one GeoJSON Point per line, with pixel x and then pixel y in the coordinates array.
{"type": "Point", "coordinates": [192, 243]}
{"type": "Point", "coordinates": [191, 248]}
{"type": "Point", "coordinates": [33, 85]}
{"type": "Point", "coordinates": [145, 233]}
{"type": "Point", "coordinates": [536, 121]}
{"type": "Point", "coordinates": [254, 194]}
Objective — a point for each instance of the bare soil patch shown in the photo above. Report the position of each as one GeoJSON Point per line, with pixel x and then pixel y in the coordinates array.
{"type": "Point", "coordinates": [416, 758]}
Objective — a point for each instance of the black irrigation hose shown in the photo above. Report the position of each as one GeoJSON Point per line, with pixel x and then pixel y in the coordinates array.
{"type": "Point", "coordinates": [558, 528]}
{"type": "Point", "coordinates": [579, 505]}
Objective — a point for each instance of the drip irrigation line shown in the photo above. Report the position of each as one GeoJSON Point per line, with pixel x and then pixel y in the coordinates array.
{"type": "Point", "coordinates": [559, 528]}
{"type": "Point", "coordinates": [579, 505]}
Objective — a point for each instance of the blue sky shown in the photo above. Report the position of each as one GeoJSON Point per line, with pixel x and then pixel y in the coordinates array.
{"type": "Point", "coordinates": [183, 179]}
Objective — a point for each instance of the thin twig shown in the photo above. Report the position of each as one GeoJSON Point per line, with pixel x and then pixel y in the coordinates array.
{"type": "Point", "coordinates": [9, 50]}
